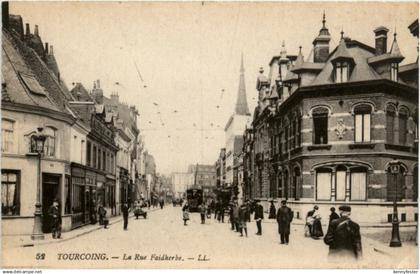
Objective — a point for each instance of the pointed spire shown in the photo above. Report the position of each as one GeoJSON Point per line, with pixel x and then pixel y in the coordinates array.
{"type": "Point", "coordinates": [323, 20]}
{"type": "Point", "coordinates": [36, 32]}
{"type": "Point", "coordinates": [283, 52]}
{"type": "Point", "coordinates": [299, 59]}
{"type": "Point", "coordinates": [342, 51]}
{"type": "Point", "coordinates": [241, 107]}
{"type": "Point", "coordinates": [242, 70]}
{"type": "Point", "coordinates": [395, 49]}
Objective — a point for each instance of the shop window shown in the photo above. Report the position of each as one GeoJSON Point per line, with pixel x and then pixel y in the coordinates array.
{"type": "Point", "coordinates": [7, 131]}
{"type": "Point", "coordinates": [67, 195]}
{"type": "Point", "coordinates": [358, 185]}
{"type": "Point", "coordinates": [323, 184]}
{"type": "Point", "coordinates": [402, 126]}
{"type": "Point", "coordinates": [320, 126]}
{"type": "Point", "coordinates": [294, 188]}
{"type": "Point", "coordinates": [390, 124]}
{"type": "Point", "coordinates": [10, 200]}
{"type": "Point", "coordinates": [362, 118]}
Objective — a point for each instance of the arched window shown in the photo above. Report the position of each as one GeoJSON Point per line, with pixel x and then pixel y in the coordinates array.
{"type": "Point", "coordinates": [7, 135]}
{"type": "Point", "coordinates": [50, 141]}
{"type": "Point", "coordinates": [362, 117]}
{"type": "Point", "coordinates": [323, 184]}
{"type": "Point", "coordinates": [390, 124]}
{"type": "Point", "coordinates": [358, 184]}
{"type": "Point", "coordinates": [396, 184]}
{"type": "Point", "coordinates": [320, 126]}
{"type": "Point", "coordinates": [402, 125]}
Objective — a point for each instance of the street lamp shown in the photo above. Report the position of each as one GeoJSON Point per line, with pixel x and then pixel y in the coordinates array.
{"type": "Point", "coordinates": [395, 240]}
{"type": "Point", "coordinates": [37, 146]}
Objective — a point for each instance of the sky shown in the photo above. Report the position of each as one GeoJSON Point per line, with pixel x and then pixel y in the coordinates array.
{"type": "Point", "coordinates": [178, 62]}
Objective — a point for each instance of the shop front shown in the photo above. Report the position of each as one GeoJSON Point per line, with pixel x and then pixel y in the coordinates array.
{"type": "Point", "coordinates": [78, 185]}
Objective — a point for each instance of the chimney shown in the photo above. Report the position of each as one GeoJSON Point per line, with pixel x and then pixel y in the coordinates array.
{"type": "Point", "coordinates": [36, 30]}
{"type": "Point", "coordinates": [51, 50]}
{"type": "Point", "coordinates": [98, 84]}
{"type": "Point", "coordinates": [381, 40]}
{"type": "Point", "coordinates": [28, 30]}
{"type": "Point", "coordinates": [5, 14]}
{"type": "Point", "coordinates": [46, 48]}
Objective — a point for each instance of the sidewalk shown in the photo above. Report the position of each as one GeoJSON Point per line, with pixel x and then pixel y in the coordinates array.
{"type": "Point", "coordinates": [26, 241]}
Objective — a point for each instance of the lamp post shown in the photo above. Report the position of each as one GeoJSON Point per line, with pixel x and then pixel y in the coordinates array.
{"type": "Point", "coordinates": [395, 240]}
{"type": "Point", "coordinates": [37, 146]}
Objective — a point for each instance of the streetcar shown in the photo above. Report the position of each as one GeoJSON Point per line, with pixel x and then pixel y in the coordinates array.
{"type": "Point", "coordinates": [194, 198]}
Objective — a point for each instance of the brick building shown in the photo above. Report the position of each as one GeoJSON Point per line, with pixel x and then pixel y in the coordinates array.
{"type": "Point", "coordinates": [326, 128]}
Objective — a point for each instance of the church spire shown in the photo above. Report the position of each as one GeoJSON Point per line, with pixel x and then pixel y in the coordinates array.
{"type": "Point", "coordinates": [241, 107]}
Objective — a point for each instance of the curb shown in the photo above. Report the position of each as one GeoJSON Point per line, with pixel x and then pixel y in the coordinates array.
{"type": "Point", "coordinates": [117, 220]}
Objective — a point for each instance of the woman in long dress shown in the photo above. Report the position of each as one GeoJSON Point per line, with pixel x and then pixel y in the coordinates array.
{"type": "Point", "coordinates": [186, 213]}
{"type": "Point", "coordinates": [316, 226]}
{"type": "Point", "coordinates": [272, 213]}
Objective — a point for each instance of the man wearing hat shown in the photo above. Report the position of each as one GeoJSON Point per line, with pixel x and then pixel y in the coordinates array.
{"type": "Point", "coordinates": [55, 214]}
{"type": "Point", "coordinates": [284, 218]}
{"type": "Point", "coordinates": [343, 236]}
{"type": "Point", "coordinates": [258, 216]}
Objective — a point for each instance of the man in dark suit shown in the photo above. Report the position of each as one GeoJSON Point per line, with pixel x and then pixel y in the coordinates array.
{"type": "Point", "coordinates": [55, 214]}
{"type": "Point", "coordinates": [284, 218]}
{"type": "Point", "coordinates": [258, 216]}
{"type": "Point", "coordinates": [343, 236]}
{"type": "Point", "coordinates": [125, 210]}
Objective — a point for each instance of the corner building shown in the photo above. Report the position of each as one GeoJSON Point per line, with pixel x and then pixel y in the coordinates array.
{"type": "Point", "coordinates": [326, 129]}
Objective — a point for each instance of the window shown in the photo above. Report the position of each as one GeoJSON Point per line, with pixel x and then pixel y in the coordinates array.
{"type": "Point", "coordinates": [7, 129]}
{"type": "Point", "coordinates": [402, 126]}
{"type": "Point", "coordinates": [323, 185]}
{"type": "Point", "coordinates": [281, 144]}
{"type": "Point", "coordinates": [50, 142]}
{"type": "Point", "coordinates": [10, 200]}
{"type": "Point", "coordinates": [286, 139]}
{"type": "Point", "coordinates": [362, 123]}
{"type": "Point", "coordinates": [293, 135]}
{"type": "Point", "coordinates": [390, 122]}
{"type": "Point", "coordinates": [394, 72]}
{"type": "Point", "coordinates": [88, 153]}
{"type": "Point", "coordinates": [358, 185]}
{"type": "Point", "coordinates": [294, 188]}
{"type": "Point", "coordinates": [94, 157]}
{"type": "Point", "coordinates": [320, 124]}
{"type": "Point", "coordinates": [32, 84]}
{"type": "Point", "coordinates": [340, 184]}
{"type": "Point", "coordinates": [67, 196]}
{"type": "Point", "coordinates": [341, 72]}
{"type": "Point", "coordinates": [99, 159]}
{"type": "Point", "coordinates": [297, 134]}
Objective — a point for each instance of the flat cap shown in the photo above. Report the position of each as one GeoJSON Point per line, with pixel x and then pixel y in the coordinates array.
{"type": "Point", "coordinates": [345, 208]}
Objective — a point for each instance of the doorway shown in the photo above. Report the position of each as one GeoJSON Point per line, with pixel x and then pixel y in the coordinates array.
{"type": "Point", "coordinates": [50, 191]}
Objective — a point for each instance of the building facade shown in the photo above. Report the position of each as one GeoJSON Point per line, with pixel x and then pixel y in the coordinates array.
{"type": "Point", "coordinates": [326, 130]}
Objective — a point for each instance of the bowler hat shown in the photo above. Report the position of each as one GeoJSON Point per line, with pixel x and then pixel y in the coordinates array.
{"type": "Point", "coordinates": [345, 208]}
{"type": "Point", "coordinates": [315, 207]}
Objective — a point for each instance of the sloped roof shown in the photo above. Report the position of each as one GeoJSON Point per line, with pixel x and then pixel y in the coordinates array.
{"type": "Point", "coordinates": [17, 91]}
{"type": "Point", "coordinates": [361, 70]}
{"type": "Point", "coordinates": [342, 52]}
{"type": "Point", "coordinates": [80, 93]}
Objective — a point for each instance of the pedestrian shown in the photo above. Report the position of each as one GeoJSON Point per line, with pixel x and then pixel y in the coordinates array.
{"type": "Point", "coordinates": [203, 209]}
{"type": "Point", "coordinates": [284, 218]}
{"type": "Point", "coordinates": [333, 214]}
{"type": "Point", "coordinates": [258, 216]}
{"type": "Point", "coordinates": [55, 214]}
{"type": "Point", "coordinates": [137, 209]}
{"type": "Point", "coordinates": [102, 214]}
{"type": "Point", "coordinates": [125, 209]}
{"type": "Point", "coordinates": [248, 206]}
{"type": "Point", "coordinates": [243, 217]}
{"type": "Point", "coordinates": [272, 214]}
{"type": "Point", "coordinates": [186, 213]}
{"type": "Point", "coordinates": [161, 202]}
{"type": "Point", "coordinates": [236, 215]}
{"type": "Point", "coordinates": [316, 225]}
{"type": "Point", "coordinates": [343, 236]}
{"type": "Point", "coordinates": [216, 210]}
{"type": "Point", "coordinates": [209, 208]}
{"type": "Point", "coordinates": [221, 214]}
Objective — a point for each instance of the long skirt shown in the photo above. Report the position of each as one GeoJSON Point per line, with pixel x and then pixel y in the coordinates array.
{"type": "Point", "coordinates": [186, 215]}
{"type": "Point", "coordinates": [317, 229]}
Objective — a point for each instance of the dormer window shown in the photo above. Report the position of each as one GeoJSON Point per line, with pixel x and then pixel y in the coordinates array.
{"type": "Point", "coordinates": [394, 72]}
{"type": "Point", "coordinates": [342, 72]}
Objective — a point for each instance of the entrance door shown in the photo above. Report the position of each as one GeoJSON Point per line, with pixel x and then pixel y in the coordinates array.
{"type": "Point", "coordinates": [50, 187]}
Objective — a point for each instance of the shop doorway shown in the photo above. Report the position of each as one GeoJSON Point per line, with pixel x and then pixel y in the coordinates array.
{"type": "Point", "coordinates": [50, 191]}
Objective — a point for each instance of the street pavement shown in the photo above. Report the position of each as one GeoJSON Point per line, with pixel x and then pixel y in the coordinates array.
{"type": "Point", "coordinates": [162, 241]}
